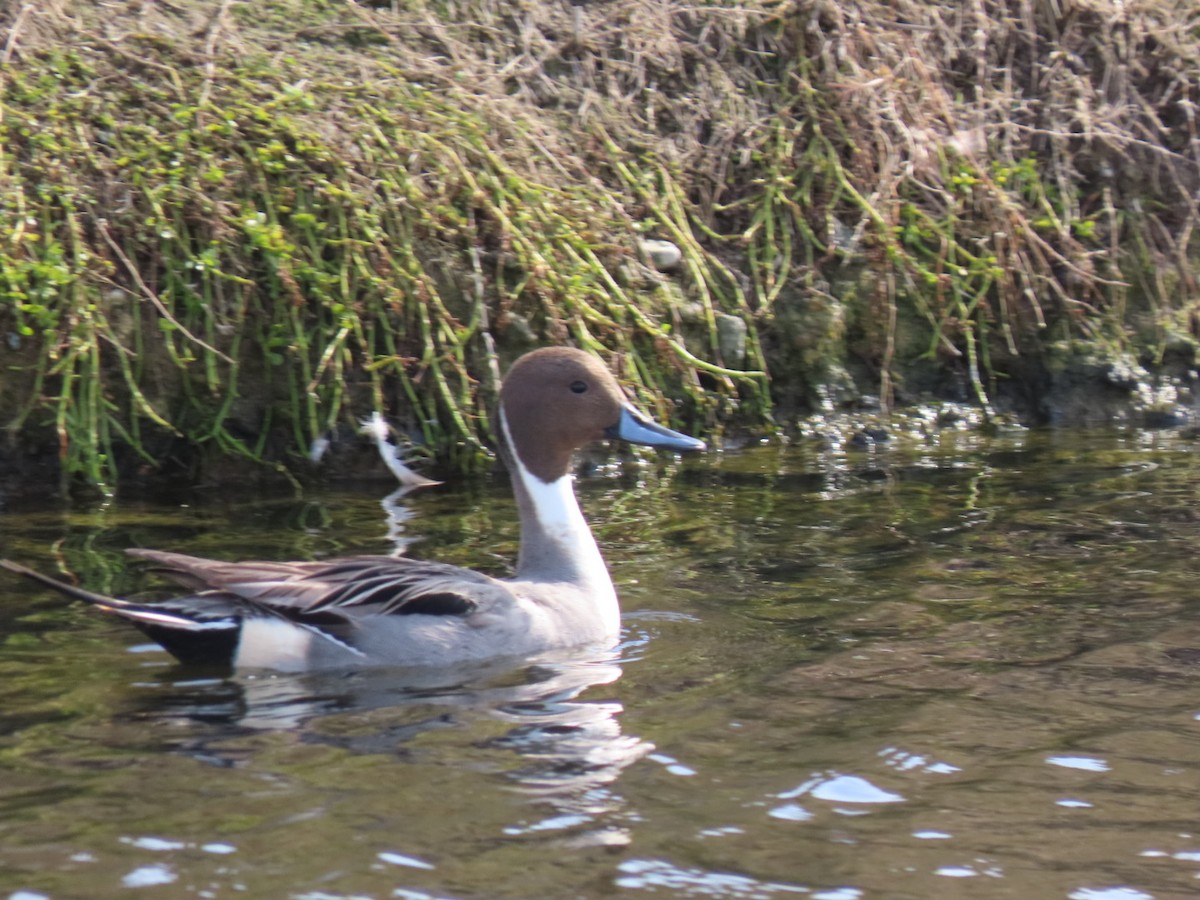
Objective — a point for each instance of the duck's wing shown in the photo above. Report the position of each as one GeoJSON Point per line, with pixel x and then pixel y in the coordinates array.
{"type": "Point", "coordinates": [338, 601]}
{"type": "Point", "coordinates": [351, 586]}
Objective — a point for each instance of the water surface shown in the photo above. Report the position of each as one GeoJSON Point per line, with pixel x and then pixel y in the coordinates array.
{"type": "Point", "coordinates": [968, 669]}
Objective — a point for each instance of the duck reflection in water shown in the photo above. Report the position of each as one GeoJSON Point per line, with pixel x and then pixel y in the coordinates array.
{"type": "Point", "coordinates": [570, 748]}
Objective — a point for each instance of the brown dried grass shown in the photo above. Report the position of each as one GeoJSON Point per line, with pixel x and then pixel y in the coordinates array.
{"type": "Point", "coordinates": [1007, 171]}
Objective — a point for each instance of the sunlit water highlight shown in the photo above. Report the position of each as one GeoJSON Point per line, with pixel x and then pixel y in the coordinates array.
{"type": "Point", "coordinates": [971, 669]}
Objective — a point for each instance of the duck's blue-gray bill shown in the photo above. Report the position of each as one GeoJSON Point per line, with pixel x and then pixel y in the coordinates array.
{"type": "Point", "coordinates": [637, 429]}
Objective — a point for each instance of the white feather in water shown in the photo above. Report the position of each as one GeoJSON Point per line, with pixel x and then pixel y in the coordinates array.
{"type": "Point", "coordinates": [377, 429]}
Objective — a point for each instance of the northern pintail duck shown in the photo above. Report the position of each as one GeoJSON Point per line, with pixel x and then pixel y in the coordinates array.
{"type": "Point", "coordinates": [383, 610]}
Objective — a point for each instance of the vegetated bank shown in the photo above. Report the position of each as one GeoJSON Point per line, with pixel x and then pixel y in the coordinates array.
{"type": "Point", "coordinates": [230, 230]}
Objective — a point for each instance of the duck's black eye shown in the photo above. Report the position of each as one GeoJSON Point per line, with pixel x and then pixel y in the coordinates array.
{"type": "Point", "coordinates": [578, 387]}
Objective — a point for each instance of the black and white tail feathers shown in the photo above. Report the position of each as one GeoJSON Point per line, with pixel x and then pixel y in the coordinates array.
{"type": "Point", "coordinates": [195, 630]}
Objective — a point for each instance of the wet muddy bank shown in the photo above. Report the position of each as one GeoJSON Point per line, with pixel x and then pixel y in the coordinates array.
{"type": "Point", "coordinates": [1079, 389]}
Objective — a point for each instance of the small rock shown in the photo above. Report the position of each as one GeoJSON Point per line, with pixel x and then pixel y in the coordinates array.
{"type": "Point", "coordinates": [662, 255]}
{"type": "Point", "coordinates": [1124, 374]}
{"type": "Point", "coordinates": [518, 330]}
{"type": "Point", "coordinates": [869, 436]}
{"type": "Point", "coordinates": [731, 339]}
{"type": "Point", "coordinates": [860, 440]}
{"type": "Point", "coordinates": [877, 433]}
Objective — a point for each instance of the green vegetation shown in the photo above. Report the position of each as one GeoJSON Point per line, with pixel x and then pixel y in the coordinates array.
{"type": "Point", "coordinates": [229, 229]}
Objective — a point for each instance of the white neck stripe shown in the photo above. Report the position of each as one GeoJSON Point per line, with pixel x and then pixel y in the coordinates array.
{"type": "Point", "coordinates": [560, 520]}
